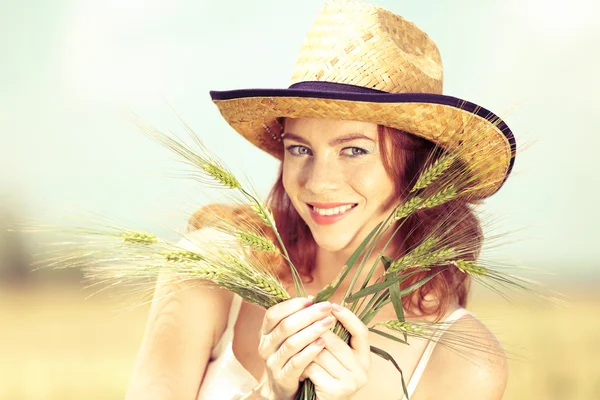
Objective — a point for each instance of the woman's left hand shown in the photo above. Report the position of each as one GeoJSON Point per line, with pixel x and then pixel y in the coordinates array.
{"type": "Point", "coordinates": [340, 370]}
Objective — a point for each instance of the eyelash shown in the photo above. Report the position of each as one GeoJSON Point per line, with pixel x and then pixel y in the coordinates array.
{"type": "Point", "coordinates": [295, 146]}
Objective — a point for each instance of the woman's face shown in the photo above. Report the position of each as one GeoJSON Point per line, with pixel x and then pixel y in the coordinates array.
{"type": "Point", "coordinates": [334, 175]}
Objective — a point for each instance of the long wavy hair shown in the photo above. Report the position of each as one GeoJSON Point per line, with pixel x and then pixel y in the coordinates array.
{"type": "Point", "coordinates": [405, 156]}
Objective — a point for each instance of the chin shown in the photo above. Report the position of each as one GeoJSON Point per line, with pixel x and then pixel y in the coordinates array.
{"type": "Point", "coordinates": [334, 241]}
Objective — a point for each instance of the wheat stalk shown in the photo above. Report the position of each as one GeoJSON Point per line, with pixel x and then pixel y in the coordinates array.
{"type": "Point", "coordinates": [402, 326]}
{"type": "Point", "coordinates": [265, 215]}
{"type": "Point", "coordinates": [256, 242]}
{"type": "Point", "coordinates": [221, 175]}
{"type": "Point", "coordinates": [245, 230]}
{"type": "Point", "coordinates": [470, 267]}
{"type": "Point", "coordinates": [468, 340]}
{"type": "Point", "coordinates": [253, 284]}
{"type": "Point", "coordinates": [424, 260]}
{"type": "Point", "coordinates": [443, 196]}
{"type": "Point", "coordinates": [408, 208]}
{"type": "Point", "coordinates": [139, 238]}
{"type": "Point", "coordinates": [210, 166]}
{"type": "Point", "coordinates": [191, 268]}
{"type": "Point", "coordinates": [434, 171]}
{"type": "Point", "coordinates": [419, 203]}
{"type": "Point", "coordinates": [182, 256]}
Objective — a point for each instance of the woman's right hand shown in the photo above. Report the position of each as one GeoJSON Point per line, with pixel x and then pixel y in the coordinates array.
{"type": "Point", "coordinates": [290, 341]}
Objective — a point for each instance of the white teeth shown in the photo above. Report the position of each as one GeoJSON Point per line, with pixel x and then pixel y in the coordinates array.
{"type": "Point", "coordinates": [332, 211]}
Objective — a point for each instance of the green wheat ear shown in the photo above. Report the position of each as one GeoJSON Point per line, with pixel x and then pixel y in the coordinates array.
{"type": "Point", "coordinates": [269, 287]}
{"type": "Point", "coordinates": [422, 250]}
{"type": "Point", "coordinates": [443, 196]}
{"type": "Point", "coordinates": [470, 267]}
{"type": "Point", "coordinates": [423, 260]}
{"type": "Point", "coordinates": [182, 256]}
{"type": "Point", "coordinates": [402, 326]}
{"type": "Point", "coordinates": [139, 237]}
{"type": "Point", "coordinates": [253, 278]}
{"type": "Point", "coordinates": [256, 242]}
{"type": "Point", "coordinates": [408, 208]}
{"type": "Point", "coordinates": [433, 172]}
{"type": "Point", "coordinates": [263, 213]}
{"type": "Point", "coordinates": [222, 176]}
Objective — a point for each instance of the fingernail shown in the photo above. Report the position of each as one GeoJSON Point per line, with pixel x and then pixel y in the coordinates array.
{"type": "Point", "coordinates": [328, 321]}
{"type": "Point", "coordinates": [337, 307]}
{"type": "Point", "coordinates": [325, 306]}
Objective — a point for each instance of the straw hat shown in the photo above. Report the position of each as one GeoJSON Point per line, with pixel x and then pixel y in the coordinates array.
{"type": "Point", "coordinates": [361, 62]}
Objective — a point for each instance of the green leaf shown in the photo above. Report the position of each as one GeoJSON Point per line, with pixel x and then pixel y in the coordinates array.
{"type": "Point", "coordinates": [396, 297]}
{"type": "Point", "coordinates": [412, 287]}
{"type": "Point", "coordinates": [330, 289]}
{"type": "Point", "coordinates": [382, 285]}
{"type": "Point", "coordinates": [388, 336]}
{"type": "Point", "coordinates": [377, 287]}
{"type": "Point", "coordinates": [415, 286]}
{"type": "Point", "coordinates": [387, 262]}
{"type": "Point", "coordinates": [383, 354]}
{"type": "Point", "coordinates": [373, 308]}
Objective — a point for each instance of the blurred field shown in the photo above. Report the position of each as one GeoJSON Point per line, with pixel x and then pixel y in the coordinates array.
{"type": "Point", "coordinates": [56, 345]}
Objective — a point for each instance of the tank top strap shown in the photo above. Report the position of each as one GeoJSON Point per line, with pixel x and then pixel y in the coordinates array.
{"type": "Point", "coordinates": [227, 337]}
{"type": "Point", "coordinates": [234, 311]}
{"type": "Point", "coordinates": [420, 368]}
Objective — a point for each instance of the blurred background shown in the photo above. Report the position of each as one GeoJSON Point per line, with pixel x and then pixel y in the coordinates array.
{"type": "Point", "coordinates": [70, 67]}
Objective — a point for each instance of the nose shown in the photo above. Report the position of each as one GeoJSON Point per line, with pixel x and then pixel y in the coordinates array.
{"type": "Point", "coordinates": [322, 175]}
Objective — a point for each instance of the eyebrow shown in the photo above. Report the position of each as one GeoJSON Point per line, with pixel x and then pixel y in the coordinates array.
{"type": "Point", "coordinates": [333, 142]}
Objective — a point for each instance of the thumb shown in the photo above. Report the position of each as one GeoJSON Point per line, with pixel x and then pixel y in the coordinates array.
{"type": "Point", "coordinates": [263, 378]}
{"type": "Point", "coordinates": [303, 376]}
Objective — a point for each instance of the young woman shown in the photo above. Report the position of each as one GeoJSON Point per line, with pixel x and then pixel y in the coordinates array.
{"type": "Point", "coordinates": [362, 119]}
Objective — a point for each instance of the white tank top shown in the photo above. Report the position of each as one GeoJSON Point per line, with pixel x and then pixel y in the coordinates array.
{"type": "Point", "coordinates": [226, 379]}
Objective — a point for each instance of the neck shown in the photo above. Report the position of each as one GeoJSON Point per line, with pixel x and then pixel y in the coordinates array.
{"type": "Point", "coordinates": [329, 265]}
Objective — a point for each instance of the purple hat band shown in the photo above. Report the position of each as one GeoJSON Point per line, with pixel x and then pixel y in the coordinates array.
{"type": "Point", "coordinates": [342, 91]}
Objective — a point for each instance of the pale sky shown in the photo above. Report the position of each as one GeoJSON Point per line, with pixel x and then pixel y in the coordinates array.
{"type": "Point", "coordinates": [68, 67]}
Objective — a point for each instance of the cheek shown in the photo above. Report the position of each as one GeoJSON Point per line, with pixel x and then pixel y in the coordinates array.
{"type": "Point", "coordinates": [289, 178]}
{"type": "Point", "coordinates": [372, 183]}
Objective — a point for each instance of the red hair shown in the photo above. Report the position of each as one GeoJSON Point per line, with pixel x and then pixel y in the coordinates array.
{"type": "Point", "coordinates": [405, 156]}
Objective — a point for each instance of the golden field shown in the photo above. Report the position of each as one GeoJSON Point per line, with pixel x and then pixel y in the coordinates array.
{"type": "Point", "coordinates": [55, 344]}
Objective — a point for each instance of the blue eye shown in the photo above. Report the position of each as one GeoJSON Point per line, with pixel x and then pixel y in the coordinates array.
{"type": "Point", "coordinates": [355, 151]}
{"type": "Point", "coordinates": [297, 150]}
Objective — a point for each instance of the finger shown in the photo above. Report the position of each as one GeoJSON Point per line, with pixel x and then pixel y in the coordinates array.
{"type": "Point", "coordinates": [360, 333]}
{"type": "Point", "coordinates": [295, 343]}
{"type": "Point", "coordinates": [331, 365]}
{"type": "Point", "coordinates": [296, 322]}
{"type": "Point", "coordinates": [345, 355]}
{"type": "Point", "coordinates": [282, 310]}
{"type": "Point", "coordinates": [319, 376]}
{"type": "Point", "coordinates": [297, 364]}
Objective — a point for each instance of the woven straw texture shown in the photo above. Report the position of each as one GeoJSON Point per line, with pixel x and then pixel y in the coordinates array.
{"type": "Point", "coordinates": [355, 43]}
{"type": "Point", "coordinates": [358, 44]}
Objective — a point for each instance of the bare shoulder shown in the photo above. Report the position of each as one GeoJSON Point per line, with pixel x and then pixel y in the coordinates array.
{"type": "Point", "coordinates": [469, 363]}
{"type": "Point", "coordinates": [212, 301]}
{"type": "Point", "coordinates": [233, 213]}
{"type": "Point", "coordinates": [184, 323]}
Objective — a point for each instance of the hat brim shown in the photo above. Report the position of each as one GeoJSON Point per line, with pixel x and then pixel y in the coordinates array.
{"type": "Point", "coordinates": [444, 120]}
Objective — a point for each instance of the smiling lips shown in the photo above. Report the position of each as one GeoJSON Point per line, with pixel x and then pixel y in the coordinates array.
{"type": "Point", "coordinates": [329, 213]}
